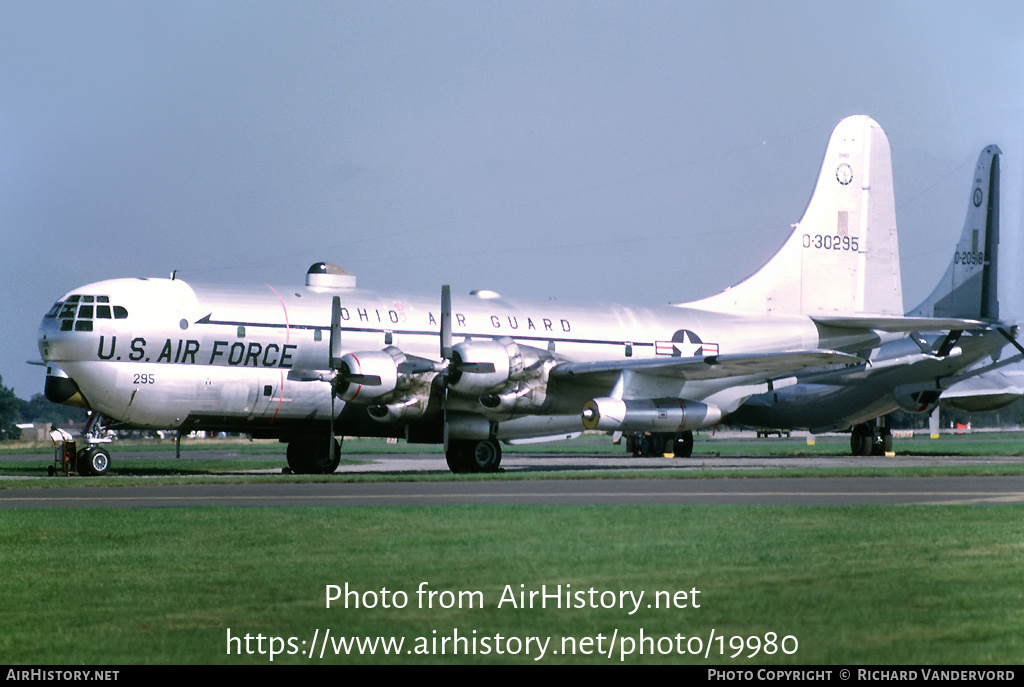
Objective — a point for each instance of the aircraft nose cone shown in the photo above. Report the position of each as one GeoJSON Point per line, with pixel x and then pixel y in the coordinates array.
{"type": "Point", "coordinates": [64, 390]}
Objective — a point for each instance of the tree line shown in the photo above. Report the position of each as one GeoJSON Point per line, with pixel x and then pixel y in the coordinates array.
{"type": "Point", "coordinates": [15, 411]}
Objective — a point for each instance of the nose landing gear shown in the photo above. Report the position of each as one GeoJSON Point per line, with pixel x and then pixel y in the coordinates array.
{"type": "Point", "coordinates": [91, 461]}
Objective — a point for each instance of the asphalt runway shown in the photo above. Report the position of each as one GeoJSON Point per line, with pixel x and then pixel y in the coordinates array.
{"type": "Point", "coordinates": [578, 490]}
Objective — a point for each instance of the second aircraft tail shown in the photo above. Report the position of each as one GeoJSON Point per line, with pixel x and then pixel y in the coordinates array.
{"type": "Point", "coordinates": [842, 259]}
{"type": "Point", "coordinates": [968, 288]}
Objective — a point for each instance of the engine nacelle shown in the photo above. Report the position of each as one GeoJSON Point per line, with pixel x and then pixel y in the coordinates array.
{"type": "Point", "coordinates": [648, 414]}
{"type": "Point", "coordinates": [369, 376]}
{"type": "Point", "coordinates": [917, 398]}
{"type": "Point", "coordinates": [405, 409]}
{"type": "Point", "coordinates": [479, 367]}
{"type": "Point", "coordinates": [525, 398]}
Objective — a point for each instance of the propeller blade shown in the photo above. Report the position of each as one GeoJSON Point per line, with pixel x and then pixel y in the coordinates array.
{"type": "Point", "coordinates": [334, 355]}
{"type": "Point", "coordinates": [444, 418]}
{"type": "Point", "coordinates": [335, 332]}
{"type": "Point", "coordinates": [446, 356]}
{"type": "Point", "coordinates": [416, 366]}
{"type": "Point", "coordinates": [474, 368]}
{"type": "Point", "coordinates": [365, 380]}
{"type": "Point", "coordinates": [446, 322]}
{"type": "Point", "coordinates": [334, 362]}
{"type": "Point", "coordinates": [330, 439]}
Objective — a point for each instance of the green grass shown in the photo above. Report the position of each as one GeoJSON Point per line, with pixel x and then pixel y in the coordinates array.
{"type": "Point", "coordinates": [876, 585]}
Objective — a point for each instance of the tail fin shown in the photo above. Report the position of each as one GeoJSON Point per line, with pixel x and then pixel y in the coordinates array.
{"type": "Point", "coordinates": [843, 256]}
{"type": "Point", "coordinates": [968, 288]}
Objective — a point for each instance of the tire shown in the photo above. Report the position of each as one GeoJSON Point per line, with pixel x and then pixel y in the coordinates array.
{"type": "Point", "coordinates": [313, 456]}
{"type": "Point", "coordinates": [647, 445]}
{"type": "Point", "coordinates": [93, 461]}
{"type": "Point", "coordinates": [455, 456]}
{"type": "Point", "coordinates": [486, 456]}
{"type": "Point", "coordinates": [465, 456]}
{"type": "Point", "coordinates": [862, 440]}
{"type": "Point", "coordinates": [682, 446]}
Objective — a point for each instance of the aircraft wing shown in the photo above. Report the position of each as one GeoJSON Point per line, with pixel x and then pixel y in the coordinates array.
{"type": "Point", "coordinates": [989, 391]}
{"type": "Point", "coordinates": [765, 365]}
{"type": "Point", "coordinates": [899, 324]}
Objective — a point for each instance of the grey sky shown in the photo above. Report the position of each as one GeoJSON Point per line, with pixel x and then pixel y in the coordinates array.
{"type": "Point", "coordinates": [631, 151]}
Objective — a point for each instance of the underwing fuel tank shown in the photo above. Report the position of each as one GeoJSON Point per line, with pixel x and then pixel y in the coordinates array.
{"type": "Point", "coordinates": [648, 415]}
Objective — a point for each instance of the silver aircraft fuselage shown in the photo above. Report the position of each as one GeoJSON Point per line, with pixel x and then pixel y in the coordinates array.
{"type": "Point", "coordinates": [163, 353]}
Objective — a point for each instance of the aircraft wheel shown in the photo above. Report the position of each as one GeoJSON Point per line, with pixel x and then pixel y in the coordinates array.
{"type": "Point", "coordinates": [881, 443]}
{"type": "Point", "coordinates": [682, 447]}
{"type": "Point", "coordinates": [93, 461]}
{"type": "Point", "coordinates": [886, 442]}
{"type": "Point", "coordinates": [862, 440]}
{"type": "Point", "coordinates": [486, 456]}
{"type": "Point", "coordinates": [313, 457]}
{"type": "Point", "coordinates": [473, 456]}
{"type": "Point", "coordinates": [455, 456]}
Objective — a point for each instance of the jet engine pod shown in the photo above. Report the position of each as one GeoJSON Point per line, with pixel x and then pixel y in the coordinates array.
{"type": "Point", "coordinates": [367, 376]}
{"type": "Point", "coordinates": [478, 367]}
{"type": "Point", "coordinates": [917, 398]}
{"type": "Point", "coordinates": [648, 414]}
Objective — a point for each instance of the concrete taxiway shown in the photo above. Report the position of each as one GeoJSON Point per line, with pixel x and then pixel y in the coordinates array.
{"type": "Point", "coordinates": [576, 490]}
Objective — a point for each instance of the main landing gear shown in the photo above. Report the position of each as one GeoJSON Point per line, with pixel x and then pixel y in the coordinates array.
{"type": "Point", "coordinates": [467, 455]}
{"type": "Point", "coordinates": [658, 444]}
{"type": "Point", "coordinates": [870, 439]}
{"type": "Point", "coordinates": [314, 455]}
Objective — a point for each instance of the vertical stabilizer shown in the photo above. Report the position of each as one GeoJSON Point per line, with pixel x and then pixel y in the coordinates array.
{"type": "Point", "coordinates": [968, 288]}
{"type": "Point", "coordinates": [843, 257]}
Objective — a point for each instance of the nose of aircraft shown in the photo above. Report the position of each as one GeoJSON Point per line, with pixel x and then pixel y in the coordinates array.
{"type": "Point", "coordinates": [60, 388]}
{"type": "Point", "coordinates": [54, 327]}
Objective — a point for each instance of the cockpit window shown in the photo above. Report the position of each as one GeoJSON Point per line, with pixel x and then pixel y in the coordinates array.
{"type": "Point", "coordinates": [78, 311]}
